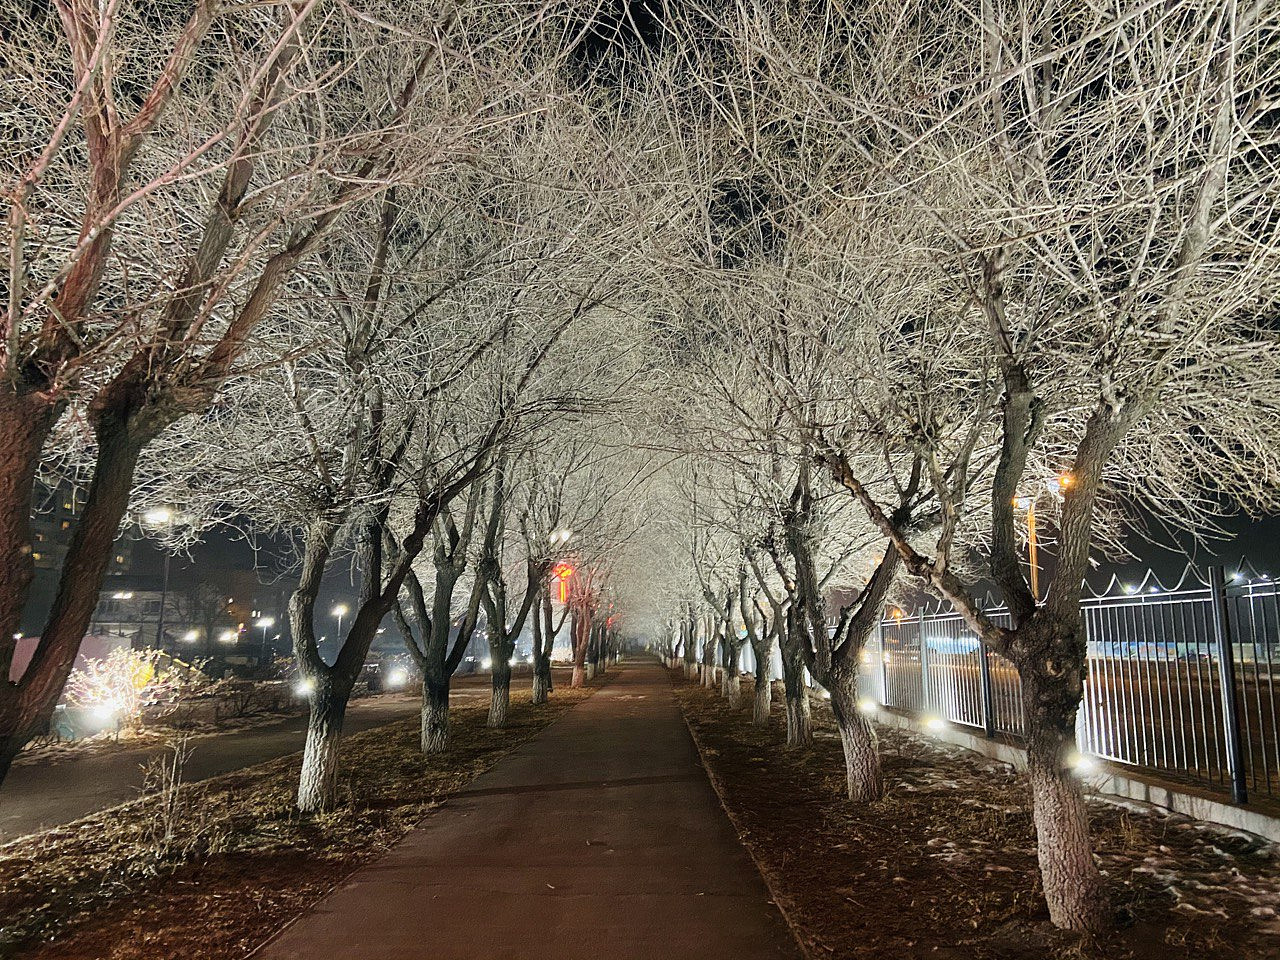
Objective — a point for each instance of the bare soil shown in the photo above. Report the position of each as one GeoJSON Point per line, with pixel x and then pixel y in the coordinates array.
{"type": "Point", "coordinates": [214, 869]}
{"type": "Point", "coordinates": [945, 865]}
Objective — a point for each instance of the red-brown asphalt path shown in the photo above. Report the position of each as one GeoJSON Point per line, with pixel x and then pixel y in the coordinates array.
{"type": "Point", "coordinates": [600, 839]}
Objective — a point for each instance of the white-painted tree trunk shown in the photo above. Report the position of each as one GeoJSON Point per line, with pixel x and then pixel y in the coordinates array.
{"type": "Point", "coordinates": [763, 702]}
{"type": "Point", "coordinates": [435, 717]}
{"type": "Point", "coordinates": [318, 783]}
{"type": "Point", "coordinates": [499, 696]}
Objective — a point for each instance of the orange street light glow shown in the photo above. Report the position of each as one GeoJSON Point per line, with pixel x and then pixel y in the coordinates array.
{"type": "Point", "coordinates": [562, 573]}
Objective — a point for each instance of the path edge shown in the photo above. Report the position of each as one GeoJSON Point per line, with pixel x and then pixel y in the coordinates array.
{"type": "Point", "coordinates": [792, 924]}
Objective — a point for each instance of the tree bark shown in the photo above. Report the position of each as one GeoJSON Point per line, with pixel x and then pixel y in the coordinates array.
{"type": "Point", "coordinates": [25, 421]}
{"type": "Point", "coordinates": [27, 707]}
{"type": "Point", "coordinates": [763, 701]}
{"type": "Point", "coordinates": [763, 651]}
{"type": "Point", "coordinates": [1073, 887]}
{"type": "Point", "coordinates": [318, 784]}
{"type": "Point", "coordinates": [500, 694]}
{"type": "Point", "coordinates": [541, 677]}
{"type": "Point", "coordinates": [435, 716]}
{"type": "Point", "coordinates": [799, 723]}
{"type": "Point", "coordinates": [858, 737]}
{"type": "Point", "coordinates": [731, 679]}
{"type": "Point", "coordinates": [541, 682]}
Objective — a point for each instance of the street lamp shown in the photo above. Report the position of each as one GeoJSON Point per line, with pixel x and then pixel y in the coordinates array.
{"type": "Point", "coordinates": [191, 636]}
{"type": "Point", "coordinates": [265, 623]}
{"type": "Point", "coordinates": [562, 573]}
{"type": "Point", "coordinates": [161, 518]}
{"type": "Point", "coordinates": [1057, 485]}
{"type": "Point", "coordinates": [228, 636]}
{"type": "Point", "coordinates": [340, 611]}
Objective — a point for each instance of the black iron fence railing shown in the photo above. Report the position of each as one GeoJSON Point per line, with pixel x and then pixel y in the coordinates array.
{"type": "Point", "coordinates": [1183, 681]}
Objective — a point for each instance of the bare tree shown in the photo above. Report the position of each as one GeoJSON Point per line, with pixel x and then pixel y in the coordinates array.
{"type": "Point", "coordinates": [1054, 254]}
{"type": "Point", "coordinates": [126, 310]}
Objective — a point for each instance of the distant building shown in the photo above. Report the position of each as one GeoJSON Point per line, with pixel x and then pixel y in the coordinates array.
{"type": "Point", "coordinates": [205, 612]}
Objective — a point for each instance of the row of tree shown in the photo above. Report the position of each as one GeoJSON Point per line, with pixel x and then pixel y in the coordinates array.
{"type": "Point", "coordinates": [749, 315]}
{"type": "Point", "coordinates": [333, 273]}
{"type": "Point", "coordinates": [963, 258]}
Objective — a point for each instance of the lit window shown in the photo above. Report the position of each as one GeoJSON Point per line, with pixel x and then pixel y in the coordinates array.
{"type": "Point", "coordinates": [37, 556]}
{"type": "Point", "coordinates": [119, 558]}
{"type": "Point", "coordinates": [66, 524]}
{"type": "Point", "coordinates": [66, 506]}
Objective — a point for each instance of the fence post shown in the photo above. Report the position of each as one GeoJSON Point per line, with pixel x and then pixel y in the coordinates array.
{"type": "Point", "coordinates": [984, 682]}
{"type": "Point", "coordinates": [884, 668]}
{"type": "Point", "coordinates": [1227, 681]}
{"type": "Point", "coordinates": [925, 699]}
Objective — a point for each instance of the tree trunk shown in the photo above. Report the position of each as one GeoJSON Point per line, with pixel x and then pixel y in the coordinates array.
{"type": "Point", "coordinates": [500, 695]}
{"type": "Point", "coordinates": [1073, 888]}
{"type": "Point", "coordinates": [26, 708]}
{"type": "Point", "coordinates": [799, 724]}
{"type": "Point", "coordinates": [318, 784]}
{"type": "Point", "coordinates": [435, 716]}
{"type": "Point", "coordinates": [731, 680]}
{"type": "Point", "coordinates": [763, 651]}
{"type": "Point", "coordinates": [590, 669]}
{"type": "Point", "coordinates": [763, 699]}
{"type": "Point", "coordinates": [541, 678]}
{"type": "Point", "coordinates": [858, 737]}
{"type": "Point", "coordinates": [26, 418]}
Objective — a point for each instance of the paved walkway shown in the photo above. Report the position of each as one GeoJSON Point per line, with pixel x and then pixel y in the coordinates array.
{"type": "Point", "coordinates": [600, 839]}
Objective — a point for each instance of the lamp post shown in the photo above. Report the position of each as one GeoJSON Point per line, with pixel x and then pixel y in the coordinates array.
{"type": "Point", "coordinates": [1058, 485]}
{"type": "Point", "coordinates": [265, 623]}
{"type": "Point", "coordinates": [161, 518]}
{"type": "Point", "coordinates": [340, 611]}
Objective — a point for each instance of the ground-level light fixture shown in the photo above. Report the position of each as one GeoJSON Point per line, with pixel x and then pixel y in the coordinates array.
{"type": "Point", "coordinates": [486, 664]}
{"type": "Point", "coordinates": [191, 636]}
{"type": "Point", "coordinates": [228, 636]}
{"type": "Point", "coordinates": [867, 705]}
{"type": "Point", "coordinates": [304, 687]}
{"type": "Point", "coordinates": [1082, 763]}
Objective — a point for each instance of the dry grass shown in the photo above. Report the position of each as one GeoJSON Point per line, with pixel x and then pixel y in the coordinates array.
{"type": "Point", "coordinates": [945, 865]}
{"type": "Point", "coordinates": [237, 860]}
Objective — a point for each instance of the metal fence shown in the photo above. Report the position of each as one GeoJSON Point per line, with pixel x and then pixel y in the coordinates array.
{"type": "Point", "coordinates": [1183, 681]}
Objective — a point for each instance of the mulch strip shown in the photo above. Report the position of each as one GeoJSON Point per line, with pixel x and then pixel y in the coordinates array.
{"type": "Point", "coordinates": [945, 865]}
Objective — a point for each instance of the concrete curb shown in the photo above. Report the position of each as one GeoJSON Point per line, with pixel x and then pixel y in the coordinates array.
{"type": "Point", "coordinates": [792, 925]}
{"type": "Point", "coordinates": [1109, 784]}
